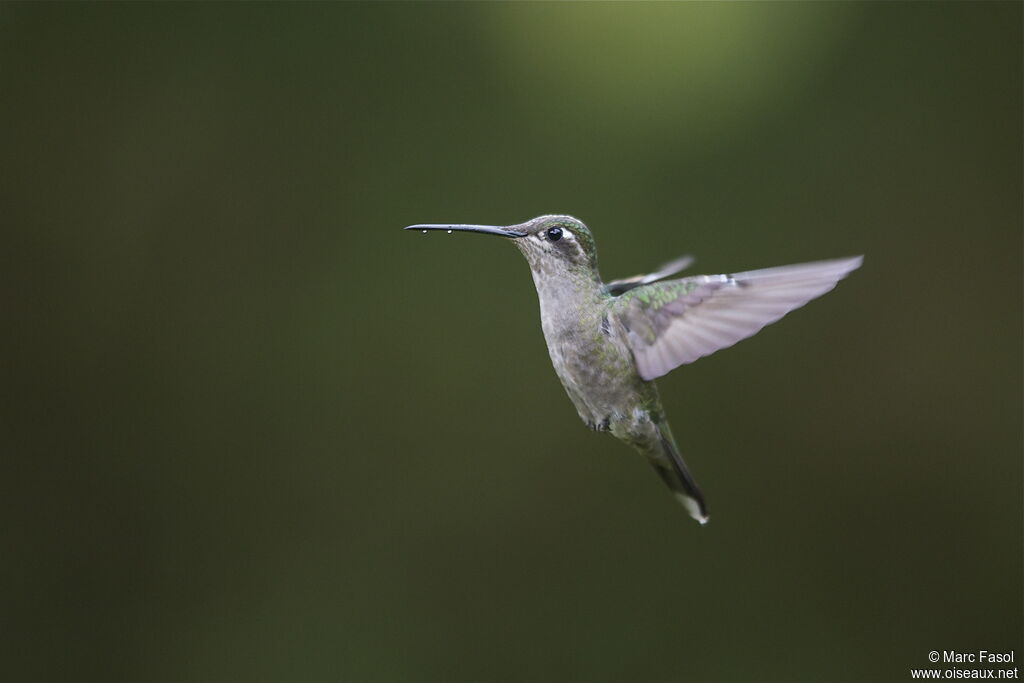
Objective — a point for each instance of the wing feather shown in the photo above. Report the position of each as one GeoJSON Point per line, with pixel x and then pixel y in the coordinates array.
{"type": "Point", "coordinates": [617, 287]}
{"type": "Point", "coordinates": [678, 321]}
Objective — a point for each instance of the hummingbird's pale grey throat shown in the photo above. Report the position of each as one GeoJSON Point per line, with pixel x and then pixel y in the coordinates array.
{"type": "Point", "coordinates": [609, 340]}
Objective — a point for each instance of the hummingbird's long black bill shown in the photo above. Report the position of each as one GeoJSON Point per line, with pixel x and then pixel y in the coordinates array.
{"type": "Point", "coordinates": [486, 229]}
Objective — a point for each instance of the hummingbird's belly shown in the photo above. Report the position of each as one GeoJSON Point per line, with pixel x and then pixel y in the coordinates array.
{"type": "Point", "coordinates": [599, 374]}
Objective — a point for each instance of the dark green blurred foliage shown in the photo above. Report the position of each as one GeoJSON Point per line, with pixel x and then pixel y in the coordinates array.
{"type": "Point", "coordinates": [254, 432]}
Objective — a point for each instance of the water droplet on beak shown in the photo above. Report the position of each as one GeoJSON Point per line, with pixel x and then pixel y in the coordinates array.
{"type": "Point", "coordinates": [424, 232]}
{"type": "Point", "coordinates": [449, 232]}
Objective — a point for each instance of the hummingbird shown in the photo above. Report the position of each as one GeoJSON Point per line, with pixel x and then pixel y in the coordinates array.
{"type": "Point", "coordinates": [609, 341]}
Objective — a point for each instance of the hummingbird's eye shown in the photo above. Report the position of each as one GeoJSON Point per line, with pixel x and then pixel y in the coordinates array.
{"type": "Point", "coordinates": [554, 234]}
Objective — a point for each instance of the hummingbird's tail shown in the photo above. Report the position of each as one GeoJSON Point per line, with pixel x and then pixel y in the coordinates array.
{"type": "Point", "coordinates": [674, 473]}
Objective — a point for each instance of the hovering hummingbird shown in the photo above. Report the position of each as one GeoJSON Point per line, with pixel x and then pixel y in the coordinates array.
{"type": "Point", "coordinates": [608, 341]}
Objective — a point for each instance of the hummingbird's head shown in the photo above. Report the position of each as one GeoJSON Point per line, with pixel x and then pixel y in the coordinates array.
{"type": "Point", "coordinates": [551, 241]}
{"type": "Point", "coordinates": [548, 242]}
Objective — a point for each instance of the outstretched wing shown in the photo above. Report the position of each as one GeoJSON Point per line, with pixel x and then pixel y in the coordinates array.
{"type": "Point", "coordinates": [617, 287]}
{"type": "Point", "coordinates": [676, 322]}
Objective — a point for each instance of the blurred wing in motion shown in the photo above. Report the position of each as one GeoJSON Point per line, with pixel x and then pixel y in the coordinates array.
{"type": "Point", "coordinates": [617, 287]}
{"type": "Point", "coordinates": [676, 322]}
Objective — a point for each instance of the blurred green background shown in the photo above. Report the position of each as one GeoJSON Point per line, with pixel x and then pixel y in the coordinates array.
{"type": "Point", "coordinates": [254, 432]}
